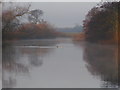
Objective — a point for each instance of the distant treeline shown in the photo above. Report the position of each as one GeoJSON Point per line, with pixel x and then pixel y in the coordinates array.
{"type": "Point", "coordinates": [76, 29]}
{"type": "Point", "coordinates": [14, 26]}
{"type": "Point", "coordinates": [101, 24]}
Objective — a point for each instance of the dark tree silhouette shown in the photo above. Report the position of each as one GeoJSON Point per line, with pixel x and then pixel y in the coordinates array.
{"type": "Point", "coordinates": [102, 22]}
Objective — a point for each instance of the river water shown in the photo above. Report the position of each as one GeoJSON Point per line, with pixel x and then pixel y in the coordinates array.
{"type": "Point", "coordinates": [58, 63]}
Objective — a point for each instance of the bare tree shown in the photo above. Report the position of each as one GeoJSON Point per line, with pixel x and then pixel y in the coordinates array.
{"type": "Point", "coordinates": [10, 17]}
{"type": "Point", "coordinates": [34, 16]}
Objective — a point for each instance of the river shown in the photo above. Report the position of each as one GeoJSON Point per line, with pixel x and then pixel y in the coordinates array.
{"type": "Point", "coordinates": [57, 63]}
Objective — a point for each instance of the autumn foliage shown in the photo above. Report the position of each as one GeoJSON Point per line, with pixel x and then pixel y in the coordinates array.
{"type": "Point", "coordinates": [31, 31]}
{"type": "Point", "coordinates": [35, 28]}
{"type": "Point", "coordinates": [101, 23]}
{"type": "Point", "coordinates": [102, 33]}
{"type": "Point", "coordinates": [79, 36]}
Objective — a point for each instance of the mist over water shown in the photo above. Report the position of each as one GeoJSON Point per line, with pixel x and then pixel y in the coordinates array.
{"type": "Point", "coordinates": [68, 65]}
{"type": "Point", "coordinates": [59, 45]}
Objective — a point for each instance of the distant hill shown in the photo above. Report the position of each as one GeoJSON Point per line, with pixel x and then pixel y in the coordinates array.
{"type": "Point", "coordinates": [75, 29]}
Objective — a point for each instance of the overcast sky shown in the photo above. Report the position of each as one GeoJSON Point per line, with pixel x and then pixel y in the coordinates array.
{"type": "Point", "coordinates": [64, 14]}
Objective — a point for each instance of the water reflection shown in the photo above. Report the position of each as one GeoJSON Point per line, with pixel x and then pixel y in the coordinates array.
{"type": "Point", "coordinates": [18, 61]}
{"type": "Point", "coordinates": [59, 67]}
{"type": "Point", "coordinates": [102, 61]}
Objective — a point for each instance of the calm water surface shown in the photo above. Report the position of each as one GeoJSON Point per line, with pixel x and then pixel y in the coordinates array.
{"type": "Point", "coordinates": [57, 63]}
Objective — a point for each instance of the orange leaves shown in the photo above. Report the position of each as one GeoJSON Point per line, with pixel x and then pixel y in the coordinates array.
{"type": "Point", "coordinates": [79, 36]}
{"type": "Point", "coordinates": [7, 16]}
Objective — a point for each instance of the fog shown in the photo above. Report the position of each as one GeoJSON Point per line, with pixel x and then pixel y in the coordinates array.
{"type": "Point", "coordinates": [64, 14]}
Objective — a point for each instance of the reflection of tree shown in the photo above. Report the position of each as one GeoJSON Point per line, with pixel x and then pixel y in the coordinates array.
{"type": "Point", "coordinates": [101, 61]}
{"type": "Point", "coordinates": [10, 82]}
{"type": "Point", "coordinates": [10, 66]}
{"type": "Point", "coordinates": [14, 65]}
{"type": "Point", "coordinates": [35, 55]}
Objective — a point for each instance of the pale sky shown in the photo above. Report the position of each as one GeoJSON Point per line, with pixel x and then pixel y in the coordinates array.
{"type": "Point", "coordinates": [64, 14]}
